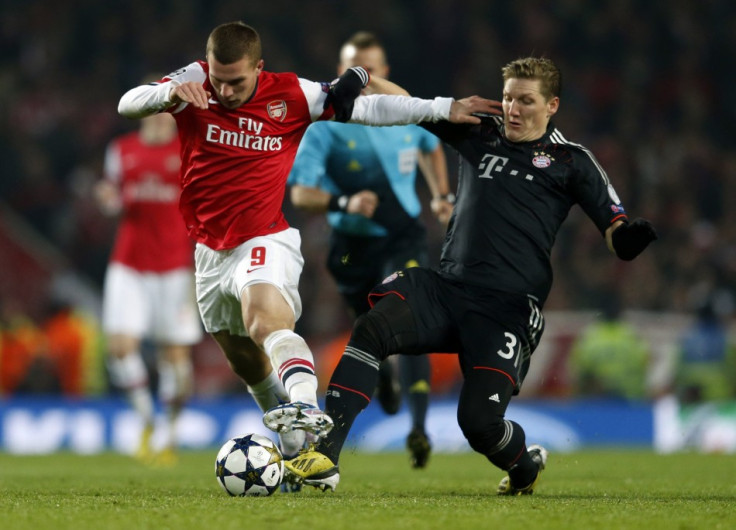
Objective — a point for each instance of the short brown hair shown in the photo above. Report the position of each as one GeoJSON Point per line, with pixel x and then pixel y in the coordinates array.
{"type": "Point", "coordinates": [364, 39]}
{"type": "Point", "coordinates": [536, 68]}
{"type": "Point", "coordinates": [230, 42]}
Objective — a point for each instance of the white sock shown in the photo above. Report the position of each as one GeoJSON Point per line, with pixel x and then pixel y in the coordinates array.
{"type": "Point", "coordinates": [270, 393]}
{"type": "Point", "coordinates": [175, 383]}
{"type": "Point", "coordinates": [129, 373]}
{"type": "Point", "coordinates": [294, 363]}
{"type": "Point", "coordinates": [141, 399]}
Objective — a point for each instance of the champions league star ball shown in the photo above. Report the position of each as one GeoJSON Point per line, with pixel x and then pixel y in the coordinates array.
{"type": "Point", "coordinates": [249, 466]}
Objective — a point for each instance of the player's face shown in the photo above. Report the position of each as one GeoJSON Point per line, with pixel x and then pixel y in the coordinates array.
{"type": "Point", "coordinates": [372, 59]}
{"type": "Point", "coordinates": [234, 83]}
{"type": "Point", "coordinates": [526, 112]}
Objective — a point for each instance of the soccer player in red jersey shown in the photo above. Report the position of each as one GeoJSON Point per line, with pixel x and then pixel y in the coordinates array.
{"type": "Point", "coordinates": [149, 290]}
{"type": "Point", "coordinates": [240, 127]}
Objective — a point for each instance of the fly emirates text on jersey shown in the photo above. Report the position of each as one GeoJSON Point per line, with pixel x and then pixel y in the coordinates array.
{"type": "Point", "coordinates": [246, 137]}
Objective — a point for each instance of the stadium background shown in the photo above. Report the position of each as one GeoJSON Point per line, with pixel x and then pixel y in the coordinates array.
{"type": "Point", "coordinates": [648, 88]}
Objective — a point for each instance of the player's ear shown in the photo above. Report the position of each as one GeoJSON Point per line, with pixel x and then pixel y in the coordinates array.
{"type": "Point", "coordinates": [552, 106]}
{"type": "Point", "coordinates": [260, 65]}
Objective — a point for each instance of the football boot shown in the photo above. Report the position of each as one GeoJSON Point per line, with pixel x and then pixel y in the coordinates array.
{"type": "Point", "coordinates": [539, 455]}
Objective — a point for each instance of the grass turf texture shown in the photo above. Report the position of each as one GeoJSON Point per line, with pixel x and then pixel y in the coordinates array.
{"type": "Point", "coordinates": [592, 489]}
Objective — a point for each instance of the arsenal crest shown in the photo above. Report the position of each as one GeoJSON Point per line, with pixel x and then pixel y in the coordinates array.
{"type": "Point", "coordinates": [277, 110]}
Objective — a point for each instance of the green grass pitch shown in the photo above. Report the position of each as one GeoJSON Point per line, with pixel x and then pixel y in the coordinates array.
{"type": "Point", "coordinates": [604, 489]}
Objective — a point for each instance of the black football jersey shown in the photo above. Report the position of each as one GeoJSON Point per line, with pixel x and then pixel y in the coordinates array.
{"type": "Point", "coordinates": [512, 199]}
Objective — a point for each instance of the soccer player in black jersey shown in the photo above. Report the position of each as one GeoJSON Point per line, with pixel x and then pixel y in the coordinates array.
{"type": "Point", "coordinates": [519, 177]}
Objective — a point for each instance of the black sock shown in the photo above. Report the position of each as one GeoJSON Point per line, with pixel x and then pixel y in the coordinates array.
{"type": "Point", "coordinates": [515, 459]}
{"type": "Point", "coordinates": [415, 372]}
{"type": "Point", "coordinates": [349, 392]}
{"type": "Point", "coordinates": [524, 471]}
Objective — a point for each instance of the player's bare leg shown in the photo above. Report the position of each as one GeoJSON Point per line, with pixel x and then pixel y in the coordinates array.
{"type": "Point", "coordinates": [253, 366]}
{"type": "Point", "coordinates": [270, 322]}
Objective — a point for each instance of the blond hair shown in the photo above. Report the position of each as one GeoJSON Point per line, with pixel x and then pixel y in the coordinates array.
{"type": "Point", "coordinates": [536, 68]}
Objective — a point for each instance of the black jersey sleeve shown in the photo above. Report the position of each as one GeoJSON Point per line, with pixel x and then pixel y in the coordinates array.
{"type": "Point", "coordinates": [450, 133]}
{"type": "Point", "coordinates": [591, 188]}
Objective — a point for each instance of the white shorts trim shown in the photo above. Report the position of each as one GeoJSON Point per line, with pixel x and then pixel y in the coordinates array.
{"type": "Point", "coordinates": [158, 306]}
{"type": "Point", "coordinates": [221, 276]}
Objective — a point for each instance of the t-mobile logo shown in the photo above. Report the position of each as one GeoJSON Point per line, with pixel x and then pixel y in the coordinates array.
{"type": "Point", "coordinates": [491, 163]}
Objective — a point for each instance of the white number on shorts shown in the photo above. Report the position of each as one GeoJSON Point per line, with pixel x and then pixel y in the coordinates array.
{"type": "Point", "coordinates": [510, 349]}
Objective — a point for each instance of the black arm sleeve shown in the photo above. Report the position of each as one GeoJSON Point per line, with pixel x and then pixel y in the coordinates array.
{"type": "Point", "coordinates": [450, 133]}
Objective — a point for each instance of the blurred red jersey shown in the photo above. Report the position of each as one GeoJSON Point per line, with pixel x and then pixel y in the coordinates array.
{"type": "Point", "coordinates": [151, 234]}
{"type": "Point", "coordinates": [235, 162]}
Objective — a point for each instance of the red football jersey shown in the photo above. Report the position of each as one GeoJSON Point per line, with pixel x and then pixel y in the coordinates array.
{"type": "Point", "coordinates": [151, 234]}
{"type": "Point", "coordinates": [235, 162]}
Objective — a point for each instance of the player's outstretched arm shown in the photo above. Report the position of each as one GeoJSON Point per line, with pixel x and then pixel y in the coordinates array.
{"type": "Point", "coordinates": [183, 87]}
{"type": "Point", "coordinates": [383, 109]}
{"type": "Point", "coordinates": [468, 110]}
{"type": "Point", "coordinates": [145, 100]}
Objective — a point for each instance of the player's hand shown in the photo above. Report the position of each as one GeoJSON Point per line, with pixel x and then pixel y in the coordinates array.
{"type": "Point", "coordinates": [442, 209]}
{"type": "Point", "coordinates": [472, 109]}
{"type": "Point", "coordinates": [629, 239]}
{"type": "Point", "coordinates": [363, 203]}
{"type": "Point", "coordinates": [108, 197]}
{"type": "Point", "coordinates": [344, 90]}
{"type": "Point", "coordinates": [192, 93]}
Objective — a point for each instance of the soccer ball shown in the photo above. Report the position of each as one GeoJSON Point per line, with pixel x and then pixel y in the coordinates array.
{"type": "Point", "coordinates": [249, 465]}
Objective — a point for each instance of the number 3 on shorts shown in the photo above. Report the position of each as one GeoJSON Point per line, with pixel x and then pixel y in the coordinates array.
{"type": "Point", "coordinates": [510, 349]}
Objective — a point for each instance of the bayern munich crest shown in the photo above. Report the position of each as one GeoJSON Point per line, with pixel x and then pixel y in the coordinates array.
{"type": "Point", "coordinates": [277, 110]}
{"type": "Point", "coordinates": [541, 161]}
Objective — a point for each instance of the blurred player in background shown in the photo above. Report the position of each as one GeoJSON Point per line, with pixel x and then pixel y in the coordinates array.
{"type": "Point", "coordinates": [364, 179]}
{"type": "Point", "coordinates": [240, 127]}
{"type": "Point", "coordinates": [518, 179]}
{"type": "Point", "coordinates": [149, 284]}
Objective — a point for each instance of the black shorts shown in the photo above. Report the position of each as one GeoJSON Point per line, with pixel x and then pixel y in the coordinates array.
{"type": "Point", "coordinates": [359, 263]}
{"type": "Point", "coordinates": [489, 329]}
